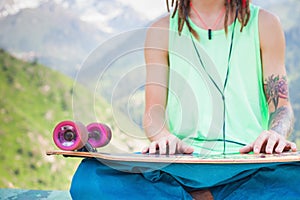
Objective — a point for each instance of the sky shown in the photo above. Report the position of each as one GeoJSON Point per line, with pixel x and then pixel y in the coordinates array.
{"type": "Point", "coordinates": [149, 8]}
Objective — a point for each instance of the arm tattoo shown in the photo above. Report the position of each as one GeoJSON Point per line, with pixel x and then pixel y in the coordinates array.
{"type": "Point", "coordinates": [276, 88]}
{"type": "Point", "coordinates": [282, 119]}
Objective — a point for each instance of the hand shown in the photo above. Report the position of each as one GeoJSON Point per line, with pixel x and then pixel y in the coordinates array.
{"type": "Point", "coordinates": [168, 145]}
{"type": "Point", "coordinates": [269, 142]}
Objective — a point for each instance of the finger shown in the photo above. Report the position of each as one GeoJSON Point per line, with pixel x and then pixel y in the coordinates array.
{"type": "Point", "coordinates": [184, 148]}
{"type": "Point", "coordinates": [172, 146]}
{"type": "Point", "coordinates": [246, 149]}
{"type": "Point", "coordinates": [293, 146]}
{"type": "Point", "coordinates": [272, 141]}
{"type": "Point", "coordinates": [162, 145]}
{"type": "Point", "coordinates": [152, 148]}
{"type": "Point", "coordinates": [145, 150]}
{"type": "Point", "coordinates": [188, 149]}
{"type": "Point", "coordinates": [290, 146]}
{"type": "Point", "coordinates": [260, 141]}
{"type": "Point", "coordinates": [281, 146]}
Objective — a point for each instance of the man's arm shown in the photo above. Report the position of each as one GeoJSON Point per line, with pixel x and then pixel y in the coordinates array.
{"type": "Point", "coordinates": [272, 43]}
{"type": "Point", "coordinates": [281, 116]}
{"type": "Point", "coordinates": [156, 89]}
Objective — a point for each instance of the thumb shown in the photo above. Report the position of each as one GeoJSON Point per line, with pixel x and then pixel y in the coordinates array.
{"type": "Point", "coordinates": [184, 148]}
{"type": "Point", "coordinates": [246, 149]}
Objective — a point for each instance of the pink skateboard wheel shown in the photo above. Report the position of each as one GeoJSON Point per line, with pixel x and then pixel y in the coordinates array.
{"type": "Point", "coordinates": [69, 135]}
{"type": "Point", "coordinates": [99, 134]}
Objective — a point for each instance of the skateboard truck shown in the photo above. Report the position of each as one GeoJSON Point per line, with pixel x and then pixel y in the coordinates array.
{"type": "Point", "coordinates": [87, 148]}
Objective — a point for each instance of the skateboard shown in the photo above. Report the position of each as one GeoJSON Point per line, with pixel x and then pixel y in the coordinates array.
{"type": "Point", "coordinates": [76, 140]}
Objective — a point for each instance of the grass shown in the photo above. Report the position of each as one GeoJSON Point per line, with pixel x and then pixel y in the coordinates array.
{"type": "Point", "coordinates": [33, 100]}
{"type": "Point", "coordinates": [30, 106]}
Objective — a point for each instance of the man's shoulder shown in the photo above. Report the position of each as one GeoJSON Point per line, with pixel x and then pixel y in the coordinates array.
{"type": "Point", "coordinates": [162, 22]}
{"type": "Point", "coordinates": [158, 33]}
{"type": "Point", "coordinates": [268, 19]}
{"type": "Point", "coordinates": [270, 29]}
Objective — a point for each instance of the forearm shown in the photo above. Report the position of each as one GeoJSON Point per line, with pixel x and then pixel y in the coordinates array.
{"type": "Point", "coordinates": [282, 120]}
{"type": "Point", "coordinates": [281, 113]}
{"type": "Point", "coordinates": [155, 123]}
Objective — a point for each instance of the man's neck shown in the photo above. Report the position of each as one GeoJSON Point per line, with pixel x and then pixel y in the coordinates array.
{"type": "Point", "coordinates": [208, 7]}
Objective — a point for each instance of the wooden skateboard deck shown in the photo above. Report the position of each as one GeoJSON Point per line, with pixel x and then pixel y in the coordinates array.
{"type": "Point", "coordinates": [180, 158]}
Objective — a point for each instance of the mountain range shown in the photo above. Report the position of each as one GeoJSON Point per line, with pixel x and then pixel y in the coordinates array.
{"type": "Point", "coordinates": [64, 35]}
{"type": "Point", "coordinates": [56, 35]}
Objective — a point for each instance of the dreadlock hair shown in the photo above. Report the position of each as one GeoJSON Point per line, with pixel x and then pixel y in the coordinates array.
{"type": "Point", "coordinates": [183, 9]}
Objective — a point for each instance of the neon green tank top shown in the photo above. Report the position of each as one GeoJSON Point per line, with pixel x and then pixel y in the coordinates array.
{"type": "Point", "coordinates": [195, 107]}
